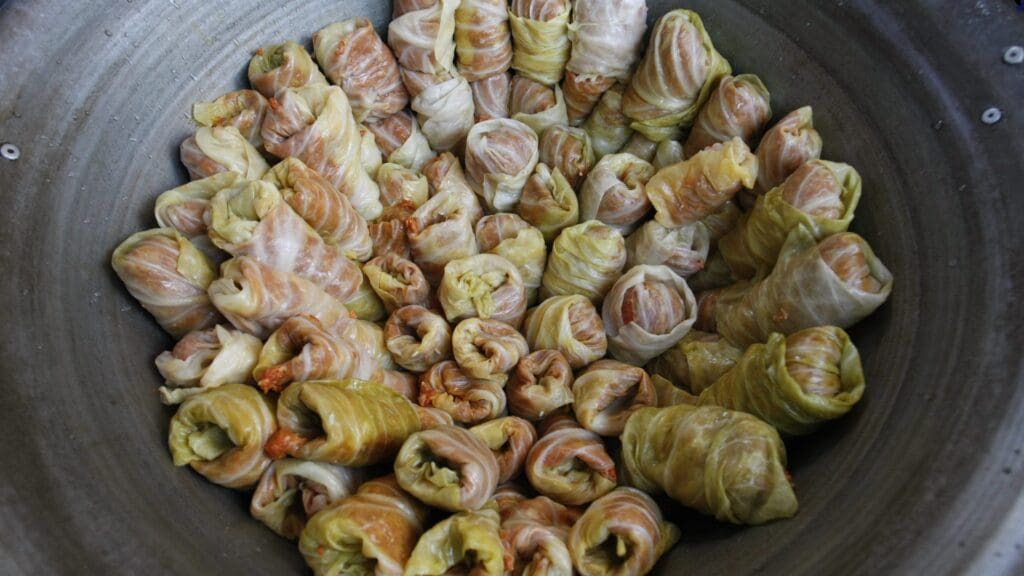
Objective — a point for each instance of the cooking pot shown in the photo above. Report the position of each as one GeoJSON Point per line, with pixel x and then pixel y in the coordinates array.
{"type": "Point", "coordinates": [924, 477]}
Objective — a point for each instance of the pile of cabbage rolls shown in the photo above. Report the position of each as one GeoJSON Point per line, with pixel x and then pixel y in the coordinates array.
{"type": "Point", "coordinates": [461, 298]}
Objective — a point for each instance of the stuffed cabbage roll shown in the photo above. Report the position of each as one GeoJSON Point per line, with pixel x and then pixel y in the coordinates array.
{"type": "Point", "coordinates": [397, 281]}
{"type": "Point", "coordinates": [608, 126]}
{"type": "Point", "coordinates": [348, 422]}
{"type": "Point", "coordinates": [537, 105]}
{"type": "Point", "coordinates": [500, 156]}
{"type": "Point", "coordinates": [441, 230]}
{"type": "Point", "coordinates": [548, 202]}
{"type": "Point", "coordinates": [675, 77]}
{"type": "Point", "coordinates": [433, 417]}
{"type": "Point", "coordinates": [356, 59]}
{"type": "Point", "coordinates": [570, 325]}
{"type": "Point", "coordinates": [820, 195]}
{"type": "Point", "coordinates": [669, 152]}
{"type": "Point", "coordinates": [483, 42]}
{"type": "Point", "coordinates": [365, 304]}
{"type": "Point", "coordinates": [606, 41]}
{"type": "Point", "coordinates": [418, 338]}
{"type": "Point", "coordinates": [373, 531]}
{"type": "Point", "coordinates": [221, 149]}
{"type": "Point", "coordinates": [510, 439]}
{"type": "Point", "coordinates": [719, 462]}
{"type": "Point", "coordinates": [257, 299]}
{"type": "Point", "coordinates": [292, 491]}
{"type": "Point", "coordinates": [444, 105]}
{"type": "Point", "coordinates": [837, 282]}
{"type": "Point", "coordinates": [252, 219]}
{"type": "Point", "coordinates": [278, 67]}
{"type": "Point", "coordinates": [487, 349]}
{"type": "Point", "coordinates": [401, 141]}
{"type": "Point", "coordinates": [614, 192]}
{"type": "Point", "coordinates": [483, 286]}
{"type": "Point", "coordinates": [243, 109]}
{"type": "Point", "coordinates": [206, 359]}
{"type": "Point", "coordinates": [785, 147]}
{"type": "Point", "coordinates": [389, 237]}
{"type": "Point", "coordinates": [445, 174]}
{"type": "Point", "coordinates": [569, 151]}
{"type": "Point", "coordinates": [540, 385]}
{"type": "Point", "coordinates": [169, 277]}
{"type": "Point", "coordinates": [607, 393]}
{"type": "Point", "coordinates": [422, 36]}
{"type": "Point", "coordinates": [696, 362]}
{"type": "Point", "coordinates": [464, 543]}
{"type": "Point", "coordinates": [448, 468]}
{"type": "Point", "coordinates": [683, 250]}
{"type": "Point", "coordinates": [184, 208]}
{"type": "Point", "coordinates": [535, 533]}
{"type": "Point", "coordinates": [490, 97]}
{"type": "Point", "coordinates": [585, 259]}
{"type": "Point", "coordinates": [220, 434]}
{"type": "Point", "coordinates": [315, 125]}
{"type": "Point", "coordinates": [540, 33]}
{"type": "Point", "coordinates": [793, 383]}
{"type": "Point", "coordinates": [302, 349]}
{"type": "Point", "coordinates": [692, 190]}
{"type": "Point", "coordinates": [507, 496]}
{"type": "Point", "coordinates": [512, 238]}
{"type": "Point", "coordinates": [469, 401]}
{"type": "Point", "coordinates": [402, 191]}
{"type": "Point", "coordinates": [570, 465]}
{"type": "Point", "coordinates": [325, 209]}
{"type": "Point", "coordinates": [648, 310]}
{"type": "Point", "coordinates": [739, 107]}
{"type": "Point", "coordinates": [621, 533]}
{"type": "Point", "coordinates": [641, 146]}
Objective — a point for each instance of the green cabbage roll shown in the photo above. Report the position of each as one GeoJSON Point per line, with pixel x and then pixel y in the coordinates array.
{"type": "Point", "coordinates": [221, 433]}
{"type": "Point", "coordinates": [487, 349]}
{"type": "Point", "coordinates": [586, 259]}
{"type": "Point", "coordinates": [514, 239]}
{"type": "Point", "coordinates": [696, 362]}
{"type": "Point", "coordinates": [418, 338]}
{"type": "Point", "coordinates": [184, 208]}
{"type": "Point", "coordinates": [206, 359]}
{"type": "Point", "coordinates": [441, 230]}
{"type": "Point", "coordinates": [719, 462]}
{"type": "Point", "coordinates": [608, 126]}
{"type": "Point", "coordinates": [570, 325]}
{"type": "Point", "coordinates": [570, 465]}
{"type": "Point", "coordinates": [468, 400]}
{"type": "Point", "coordinates": [464, 543]}
{"type": "Point", "coordinates": [540, 34]}
{"type": "Point", "coordinates": [448, 467]}
{"type": "Point", "coordinates": [444, 105]}
{"type": "Point", "coordinates": [243, 109]}
{"type": "Point", "coordinates": [483, 286]}
{"type": "Point", "coordinates": [739, 107]}
{"type": "Point", "coordinates": [483, 41]}
{"type": "Point", "coordinates": [365, 304]}
{"type": "Point", "coordinates": [397, 281]}
{"type": "Point", "coordinates": [292, 491]}
{"type": "Point", "coordinates": [548, 202]}
{"type": "Point", "coordinates": [276, 68]}
{"type": "Point", "coordinates": [221, 149]}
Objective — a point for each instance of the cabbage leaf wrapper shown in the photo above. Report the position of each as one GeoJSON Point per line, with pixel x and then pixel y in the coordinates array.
{"type": "Point", "coordinates": [464, 543]}
{"type": "Point", "coordinates": [444, 105]}
{"type": "Point", "coordinates": [389, 237]}
{"type": "Point", "coordinates": [837, 282]}
{"type": "Point", "coordinates": [720, 462]}
{"type": "Point", "coordinates": [326, 210]}
{"type": "Point", "coordinates": [302, 350]}
{"type": "Point", "coordinates": [585, 259]}
{"type": "Point", "coordinates": [347, 422]}
{"type": "Point", "coordinates": [257, 299]}
{"type": "Point", "coordinates": [614, 192]}
{"type": "Point", "coordinates": [536, 105]}
{"type": "Point", "coordinates": [373, 531]}
{"type": "Point", "coordinates": [569, 464]}
{"type": "Point", "coordinates": [535, 532]}
{"type": "Point", "coordinates": [608, 392]}
{"type": "Point", "coordinates": [243, 109]}
{"type": "Point", "coordinates": [356, 59]}
{"type": "Point", "coordinates": [169, 277]}
{"type": "Point", "coordinates": [184, 208]}
{"type": "Point", "coordinates": [433, 417]}
{"type": "Point", "coordinates": [401, 141]}
{"type": "Point", "coordinates": [675, 77]}
{"type": "Point", "coordinates": [622, 533]}
{"type": "Point", "coordinates": [279, 67]}
{"type": "Point", "coordinates": [514, 239]}
{"type": "Point", "coordinates": [397, 281]}
{"type": "Point", "coordinates": [821, 196]}
{"type": "Point", "coordinates": [402, 191]}
{"type": "Point", "coordinates": [739, 107]}
{"type": "Point", "coordinates": [696, 362]}
{"type": "Point", "coordinates": [221, 149]}
{"type": "Point", "coordinates": [418, 338]}
{"type": "Point", "coordinates": [788, 145]}
{"type": "Point", "coordinates": [252, 219]}
{"type": "Point", "coordinates": [548, 202]}
{"type": "Point", "coordinates": [220, 434]}
{"type": "Point", "coordinates": [500, 157]}
{"type": "Point", "coordinates": [206, 359]}
{"type": "Point", "coordinates": [483, 286]}
{"type": "Point", "coordinates": [692, 190]}
{"type": "Point", "coordinates": [441, 230]}
{"type": "Point", "coordinates": [510, 439]}
{"type": "Point", "coordinates": [793, 383]}
{"type": "Point", "coordinates": [487, 349]}
{"type": "Point", "coordinates": [365, 304]}
{"type": "Point", "coordinates": [315, 125]}
{"type": "Point", "coordinates": [469, 400]}
{"type": "Point", "coordinates": [608, 126]}
{"type": "Point", "coordinates": [683, 250]}
{"type": "Point", "coordinates": [483, 41]}
{"type": "Point", "coordinates": [647, 311]}
{"type": "Point", "coordinates": [568, 150]}
{"type": "Point", "coordinates": [448, 468]}
{"type": "Point", "coordinates": [292, 491]}
{"type": "Point", "coordinates": [540, 34]}
{"type": "Point", "coordinates": [667, 153]}
{"type": "Point", "coordinates": [422, 36]}
{"type": "Point", "coordinates": [540, 385]}
{"type": "Point", "coordinates": [569, 325]}
{"type": "Point", "coordinates": [490, 97]}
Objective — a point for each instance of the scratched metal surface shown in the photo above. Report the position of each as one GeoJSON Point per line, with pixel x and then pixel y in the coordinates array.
{"type": "Point", "coordinates": [925, 477]}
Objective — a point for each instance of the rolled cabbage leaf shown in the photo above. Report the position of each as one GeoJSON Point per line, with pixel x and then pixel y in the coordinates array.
{"type": "Point", "coordinates": [500, 157]}
{"type": "Point", "coordinates": [483, 41]}
{"type": "Point", "coordinates": [389, 237]}
{"type": "Point", "coordinates": [444, 105]}
{"type": "Point", "coordinates": [548, 202]}
{"type": "Point", "coordinates": [469, 401]}
{"type": "Point", "coordinates": [483, 286]}
{"type": "Point", "coordinates": [221, 149]}
{"type": "Point", "coordinates": [614, 192]}
{"type": "Point", "coordinates": [569, 151]}
{"type": "Point", "coordinates": [537, 105]}
{"type": "Point", "coordinates": [206, 359]}
{"type": "Point", "coordinates": [402, 187]}
{"type": "Point", "coordinates": [608, 126]}
{"type": "Point", "coordinates": [739, 107]}
{"type": "Point", "coordinates": [788, 145]}
{"type": "Point", "coordinates": [570, 325]}
{"type": "Point", "coordinates": [648, 310]}
{"type": "Point", "coordinates": [570, 465]}
{"type": "Point", "coordinates": [278, 67]}
{"type": "Point", "coordinates": [447, 467]}
{"type": "Point", "coordinates": [540, 385]}
{"type": "Point", "coordinates": [464, 543]}
{"type": "Point", "coordinates": [535, 532]}
{"type": "Point", "coordinates": [184, 208]}
{"type": "Point", "coordinates": [243, 109]}
{"type": "Point", "coordinates": [510, 439]}
{"type": "Point", "coordinates": [397, 281]}
{"type": "Point", "coordinates": [418, 338]}
{"type": "Point", "coordinates": [292, 491]}
{"type": "Point", "coordinates": [487, 349]}
{"type": "Point", "coordinates": [433, 417]}
{"type": "Point", "coordinates": [490, 97]}
{"type": "Point", "coordinates": [683, 250]}
{"type": "Point", "coordinates": [696, 362]}
{"type": "Point", "coordinates": [669, 152]}
{"type": "Point", "coordinates": [422, 36]}
{"type": "Point", "coordinates": [441, 230]}
{"type": "Point", "coordinates": [514, 239]}
{"type": "Point", "coordinates": [401, 141]}
{"type": "Point", "coordinates": [608, 392]}
{"type": "Point", "coordinates": [586, 259]}
{"type": "Point", "coordinates": [540, 34]}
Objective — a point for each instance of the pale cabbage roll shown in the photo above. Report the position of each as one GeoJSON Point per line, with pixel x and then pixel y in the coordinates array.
{"type": "Point", "coordinates": [468, 400]}
{"type": "Point", "coordinates": [418, 338]}
{"type": "Point", "coordinates": [510, 439]}
{"type": "Point", "coordinates": [648, 311]}
{"type": "Point", "coordinates": [540, 33]}
{"type": "Point", "coordinates": [615, 192]}
{"type": "Point", "coordinates": [540, 385]}
{"type": "Point", "coordinates": [184, 208]}
{"type": "Point", "coordinates": [608, 126]}
{"type": "Point", "coordinates": [401, 141]}
{"type": "Point", "coordinates": [292, 491]}
{"type": "Point", "coordinates": [740, 107]}
{"type": "Point", "coordinates": [483, 286]}
{"type": "Point", "coordinates": [788, 145]}
{"type": "Point", "coordinates": [641, 146]}
{"type": "Point", "coordinates": [514, 239]}
{"type": "Point", "coordinates": [669, 152]}
{"type": "Point", "coordinates": [221, 149]}
{"type": "Point", "coordinates": [487, 349]}
{"type": "Point", "coordinates": [423, 37]}
{"type": "Point", "coordinates": [243, 109]}
{"type": "Point", "coordinates": [464, 543]}
{"type": "Point", "coordinates": [206, 359]}
{"type": "Point", "coordinates": [444, 105]}
{"type": "Point", "coordinates": [448, 468]}
{"type": "Point", "coordinates": [491, 96]}
{"type": "Point", "coordinates": [441, 230]}
{"type": "Point", "coordinates": [370, 155]}
{"type": "Point", "coordinates": [535, 532]}
{"type": "Point", "coordinates": [607, 393]}
{"type": "Point", "coordinates": [389, 237]}
{"type": "Point", "coordinates": [683, 250]}
{"type": "Point", "coordinates": [537, 105]}
{"type": "Point", "coordinates": [570, 325]}
{"type": "Point", "coordinates": [483, 42]}
{"type": "Point", "coordinates": [569, 151]}
{"type": "Point", "coordinates": [500, 157]}
{"type": "Point", "coordinates": [397, 281]}
{"type": "Point", "coordinates": [401, 190]}
{"type": "Point", "coordinates": [278, 67]}
{"type": "Point", "coordinates": [570, 465]}
{"type": "Point", "coordinates": [548, 202]}
{"type": "Point", "coordinates": [585, 259]}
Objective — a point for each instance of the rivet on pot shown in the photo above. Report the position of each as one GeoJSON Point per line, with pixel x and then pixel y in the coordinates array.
{"type": "Point", "coordinates": [1014, 55]}
{"type": "Point", "coordinates": [9, 151]}
{"type": "Point", "coordinates": [992, 116]}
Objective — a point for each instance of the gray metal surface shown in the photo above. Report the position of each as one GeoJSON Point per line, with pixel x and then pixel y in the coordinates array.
{"type": "Point", "coordinates": [925, 477]}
